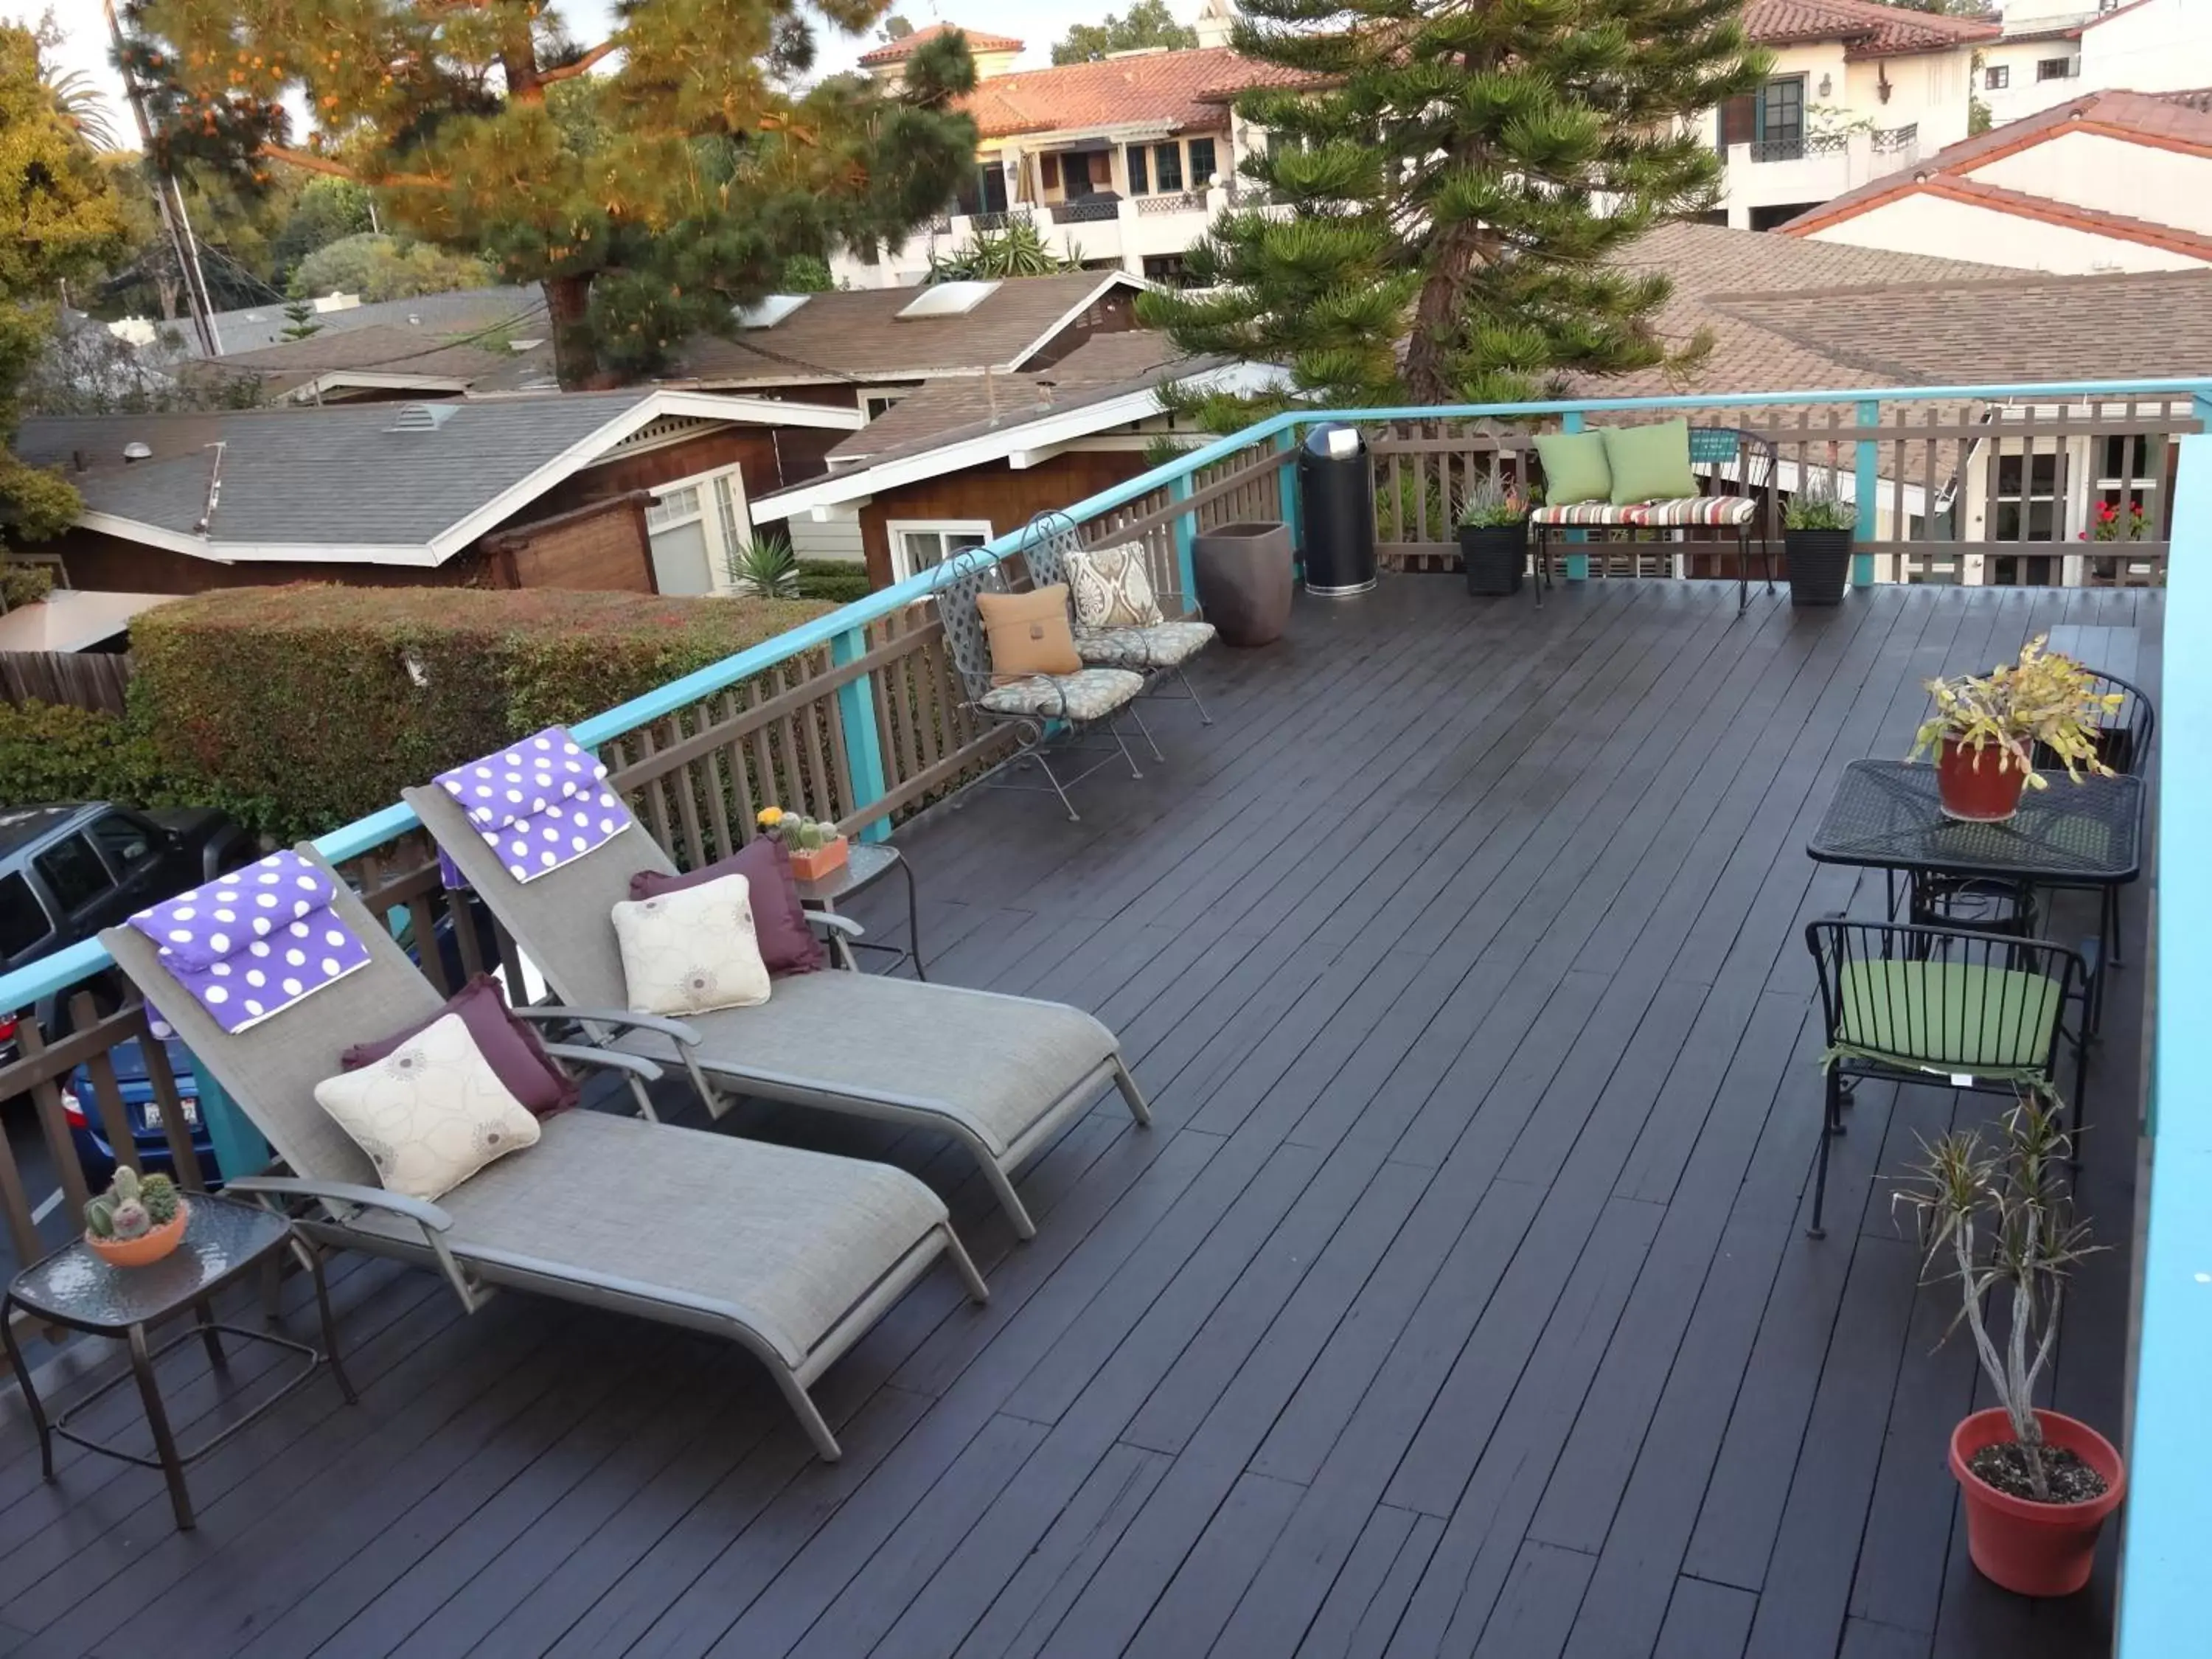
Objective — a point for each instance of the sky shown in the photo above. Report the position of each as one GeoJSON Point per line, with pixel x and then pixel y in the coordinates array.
{"type": "Point", "coordinates": [1037, 23]}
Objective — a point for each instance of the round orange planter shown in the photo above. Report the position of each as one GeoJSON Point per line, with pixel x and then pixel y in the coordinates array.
{"type": "Point", "coordinates": [1980, 785]}
{"type": "Point", "coordinates": [2030, 1548]}
{"type": "Point", "coordinates": [147, 1247]}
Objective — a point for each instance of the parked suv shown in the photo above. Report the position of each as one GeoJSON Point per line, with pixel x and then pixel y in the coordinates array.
{"type": "Point", "coordinates": [66, 872]}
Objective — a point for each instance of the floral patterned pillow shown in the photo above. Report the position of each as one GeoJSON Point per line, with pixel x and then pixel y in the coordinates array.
{"type": "Point", "coordinates": [692, 951]}
{"type": "Point", "coordinates": [1110, 588]}
{"type": "Point", "coordinates": [431, 1113]}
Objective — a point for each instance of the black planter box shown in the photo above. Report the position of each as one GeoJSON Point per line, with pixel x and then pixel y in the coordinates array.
{"type": "Point", "coordinates": [1494, 555]}
{"type": "Point", "coordinates": [1820, 562]}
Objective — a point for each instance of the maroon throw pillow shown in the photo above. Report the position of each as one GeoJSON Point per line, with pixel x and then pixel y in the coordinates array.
{"type": "Point", "coordinates": [509, 1047]}
{"type": "Point", "coordinates": [787, 944]}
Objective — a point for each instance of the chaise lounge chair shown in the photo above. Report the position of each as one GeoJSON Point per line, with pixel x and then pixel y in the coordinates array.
{"type": "Point", "coordinates": [1001, 1074]}
{"type": "Point", "coordinates": [793, 1254]}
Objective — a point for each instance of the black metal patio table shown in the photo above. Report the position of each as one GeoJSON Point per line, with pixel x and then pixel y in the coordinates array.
{"type": "Point", "coordinates": [1887, 815]}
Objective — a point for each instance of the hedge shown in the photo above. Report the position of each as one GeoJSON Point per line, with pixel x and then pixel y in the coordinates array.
{"type": "Point", "coordinates": [833, 581]}
{"type": "Point", "coordinates": [304, 707]}
{"type": "Point", "coordinates": [53, 752]}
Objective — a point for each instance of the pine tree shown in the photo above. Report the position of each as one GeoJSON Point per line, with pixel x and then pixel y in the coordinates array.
{"type": "Point", "coordinates": [1149, 23]}
{"type": "Point", "coordinates": [647, 198]}
{"type": "Point", "coordinates": [1460, 177]}
{"type": "Point", "coordinates": [299, 322]}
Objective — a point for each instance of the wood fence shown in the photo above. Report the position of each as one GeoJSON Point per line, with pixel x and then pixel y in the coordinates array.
{"type": "Point", "coordinates": [82, 679]}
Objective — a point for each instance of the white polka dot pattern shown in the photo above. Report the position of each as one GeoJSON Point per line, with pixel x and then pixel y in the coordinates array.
{"type": "Point", "coordinates": [539, 804]}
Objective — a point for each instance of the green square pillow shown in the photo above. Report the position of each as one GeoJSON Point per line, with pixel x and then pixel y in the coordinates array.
{"type": "Point", "coordinates": [1575, 467]}
{"type": "Point", "coordinates": [1649, 463]}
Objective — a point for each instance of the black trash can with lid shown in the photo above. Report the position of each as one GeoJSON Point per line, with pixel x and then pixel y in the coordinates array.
{"type": "Point", "coordinates": [1336, 496]}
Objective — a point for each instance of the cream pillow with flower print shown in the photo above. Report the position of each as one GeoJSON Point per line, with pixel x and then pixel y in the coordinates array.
{"type": "Point", "coordinates": [692, 951]}
{"type": "Point", "coordinates": [431, 1113]}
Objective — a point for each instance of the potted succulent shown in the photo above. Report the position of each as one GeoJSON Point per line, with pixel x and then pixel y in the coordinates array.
{"type": "Point", "coordinates": [816, 847]}
{"type": "Point", "coordinates": [2038, 1483]}
{"type": "Point", "coordinates": [1493, 537]}
{"type": "Point", "coordinates": [1989, 729]}
{"type": "Point", "coordinates": [137, 1221]}
{"type": "Point", "coordinates": [1816, 544]}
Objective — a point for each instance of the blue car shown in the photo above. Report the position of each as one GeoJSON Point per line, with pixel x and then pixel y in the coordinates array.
{"type": "Point", "coordinates": [81, 1107]}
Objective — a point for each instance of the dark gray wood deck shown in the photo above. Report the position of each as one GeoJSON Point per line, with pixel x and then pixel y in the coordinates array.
{"type": "Point", "coordinates": [1458, 1303]}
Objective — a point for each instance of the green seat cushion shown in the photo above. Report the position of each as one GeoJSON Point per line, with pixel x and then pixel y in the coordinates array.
{"type": "Point", "coordinates": [1649, 463]}
{"type": "Point", "coordinates": [1948, 1017]}
{"type": "Point", "coordinates": [1575, 467]}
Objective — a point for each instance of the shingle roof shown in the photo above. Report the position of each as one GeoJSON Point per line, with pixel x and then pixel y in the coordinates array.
{"type": "Point", "coordinates": [857, 334]}
{"type": "Point", "coordinates": [2175, 120]}
{"type": "Point", "coordinates": [395, 352]}
{"type": "Point", "coordinates": [1107, 367]}
{"type": "Point", "coordinates": [907, 45]}
{"type": "Point", "coordinates": [338, 476]}
{"type": "Point", "coordinates": [459, 313]}
{"type": "Point", "coordinates": [1868, 30]}
{"type": "Point", "coordinates": [1182, 90]}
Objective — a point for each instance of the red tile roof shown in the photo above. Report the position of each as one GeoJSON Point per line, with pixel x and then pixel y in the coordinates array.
{"type": "Point", "coordinates": [2171, 121]}
{"type": "Point", "coordinates": [907, 45]}
{"type": "Point", "coordinates": [1184, 90]}
{"type": "Point", "coordinates": [1867, 29]}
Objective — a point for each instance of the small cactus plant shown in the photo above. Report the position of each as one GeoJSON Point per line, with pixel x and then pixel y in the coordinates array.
{"type": "Point", "coordinates": [795, 831]}
{"type": "Point", "coordinates": [132, 1206]}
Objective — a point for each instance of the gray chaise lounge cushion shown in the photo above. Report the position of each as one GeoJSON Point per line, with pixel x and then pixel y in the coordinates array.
{"type": "Point", "coordinates": [997, 1064]}
{"type": "Point", "coordinates": [790, 1241]}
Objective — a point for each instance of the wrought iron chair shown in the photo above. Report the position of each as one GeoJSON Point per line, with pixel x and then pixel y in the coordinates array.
{"type": "Point", "coordinates": [1157, 650]}
{"type": "Point", "coordinates": [1049, 714]}
{"type": "Point", "coordinates": [1737, 477]}
{"type": "Point", "coordinates": [1972, 1011]}
{"type": "Point", "coordinates": [2123, 743]}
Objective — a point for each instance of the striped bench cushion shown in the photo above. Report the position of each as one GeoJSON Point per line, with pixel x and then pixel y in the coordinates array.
{"type": "Point", "coordinates": [1728, 510]}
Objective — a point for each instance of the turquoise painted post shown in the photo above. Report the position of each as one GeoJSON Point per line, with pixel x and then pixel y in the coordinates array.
{"type": "Point", "coordinates": [1866, 488]}
{"type": "Point", "coordinates": [1577, 563]}
{"type": "Point", "coordinates": [864, 747]}
{"type": "Point", "coordinates": [1287, 477]}
{"type": "Point", "coordinates": [1186, 531]}
{"type": "Point", "coordinates": [238, 1148]}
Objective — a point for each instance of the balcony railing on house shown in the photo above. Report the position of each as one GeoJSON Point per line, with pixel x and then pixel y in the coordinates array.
{"type": "Point", "coordinates": [857, 716]}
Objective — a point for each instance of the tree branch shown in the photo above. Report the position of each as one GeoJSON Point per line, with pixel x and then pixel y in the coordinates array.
{"type": "Point", "coordinates": [308, 161]}
{"type": "Point", "coordinates": [570, 71]}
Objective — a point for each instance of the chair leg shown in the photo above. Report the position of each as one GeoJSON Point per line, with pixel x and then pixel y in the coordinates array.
{"type": "Point", "coordinates": [1130, 1093]}
{"type": "Point", "coordinates": [1191, 691]}
{"type": "Point", "coordinates": [1150, 742]}
{"type": "Point", "coordinates": [1114, 731]}
{"type": "Point", "coordinates": [978, 1291]}
{"type": "Point", "coordinates": [810, 1418]}
{"type": "Point", "coordinates": [2081, 1088]}
{"type": "Point", "coordinates": [1009, 1199]}
{"type": "Point", "coordinates": [1832, 1125]}
{"type": "Point", "coordinates": [1051, 777]}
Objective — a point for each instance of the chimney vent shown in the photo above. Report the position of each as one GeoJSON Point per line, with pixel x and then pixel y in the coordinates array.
{"type": "Point", "coordinates": [420, 417]}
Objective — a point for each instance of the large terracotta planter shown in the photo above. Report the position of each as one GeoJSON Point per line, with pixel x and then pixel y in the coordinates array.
{"type": "Point", "coordinates": [147, 1247]}
{"type": "Point", "coordinates": [1818, 563]}
{"type": "Point", "coordinates": [1979, 785]}
{"type": "Point", "coordinates": [1244, 581]}
{"type": "Point", "coordinates": [1494, 555]}
{"type": "Point", "coordinates": [2030, 1548]}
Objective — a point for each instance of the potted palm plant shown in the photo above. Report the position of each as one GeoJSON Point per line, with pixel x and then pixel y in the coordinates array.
{"type": "Point", "coordinates": [1989, 731]}
{"type": "Point", "coordinates": [1493, 537]}
{"type": "Point", "coordinates": [1816, 543]}
{"type": "Point", "coordinates": [2038, 1483]}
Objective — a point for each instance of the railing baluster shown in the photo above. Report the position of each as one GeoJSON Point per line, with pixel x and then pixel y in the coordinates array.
{"type": "Point", "coordinates": [864, 747]}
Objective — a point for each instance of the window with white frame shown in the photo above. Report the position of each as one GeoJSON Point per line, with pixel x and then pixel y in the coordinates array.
{"type": "Point", "coordinates": [693, 525]}
{"type": "Point", "coordinates": [920, 545]}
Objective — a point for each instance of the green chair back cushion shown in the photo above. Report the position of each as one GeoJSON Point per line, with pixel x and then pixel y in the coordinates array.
{"type": "Point", "coordinates": [1948, 1017]}
{"type": "Point", "coordinates": [1649, 463]}
{"type": "Point", "coordinates": [1575, 467]}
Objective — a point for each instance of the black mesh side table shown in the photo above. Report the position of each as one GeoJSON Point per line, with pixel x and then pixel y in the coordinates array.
{"type": "Point", "coordinates": [224, 1239]}
{"type": "Point", "coordinates": [866, 862]}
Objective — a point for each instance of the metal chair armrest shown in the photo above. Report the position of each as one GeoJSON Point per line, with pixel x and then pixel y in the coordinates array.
{"type": "Point", "coordinates": [831, 922]}
{"type": "Point", "coordinates": [610, 1059]}
{"type": "Point", "coordinates": [670, 1028]}
{"type": "Point", "coordinates": [342, 1192]}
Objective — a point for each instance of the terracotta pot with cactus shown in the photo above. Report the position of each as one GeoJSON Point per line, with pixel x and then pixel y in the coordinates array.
{"type": "Point", "coordinates": [137, 1221]}
{"type": "Point", "coordinates": [816, 847]}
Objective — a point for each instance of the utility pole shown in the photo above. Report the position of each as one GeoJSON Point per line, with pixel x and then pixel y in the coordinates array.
{"type": "Point", "coordinates": [169, 202]}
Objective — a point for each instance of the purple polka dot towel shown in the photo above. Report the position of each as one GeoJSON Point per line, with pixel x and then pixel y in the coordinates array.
{"type": "Point", "coordinates": [539, 803]}
{"type": "Point", "coordinates": [253, 942]}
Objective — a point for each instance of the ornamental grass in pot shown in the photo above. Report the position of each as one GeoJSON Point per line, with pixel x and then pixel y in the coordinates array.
{"type": "Point", "coordinates": [1817, 530]}
{"type": "Point", "coordinates": [1998, 1221]}
{"type": "Point", "coordinates": [1989, 730]}
{"type": "Point", "coordinates": [1493, 537]}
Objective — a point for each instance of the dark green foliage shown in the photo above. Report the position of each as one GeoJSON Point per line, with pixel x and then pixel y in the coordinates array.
{"type": "Point", "coordinates": [1460, 180]}
{"type": "Point", "coordinates": [832, 580]}
{"type": "Point", "coordinates": [51, 752]}
{"type": "Point", "coordinates": [301, 701]}
{"type": "Point", "coordinates": [24, 584]}
{"type": "Point", "coordinates": [1149, 23]}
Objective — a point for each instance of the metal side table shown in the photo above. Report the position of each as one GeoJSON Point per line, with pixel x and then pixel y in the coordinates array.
{"type": "Point", "coordinates": [867, 862]}
{"type": "Point", "coordinates": [224, 1240]}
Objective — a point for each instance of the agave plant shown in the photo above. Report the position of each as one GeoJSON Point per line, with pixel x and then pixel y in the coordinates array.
{"type": "Point", "coordinates": [1490, 504]}
{"type": "Point", "coordinates": [1018, 249]}
{"type": "Point", "coordinates": [766, 566]}
{"type": "Point", "coordinates": [1816, 506]}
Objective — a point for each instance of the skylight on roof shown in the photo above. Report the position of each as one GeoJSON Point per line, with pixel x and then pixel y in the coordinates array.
{"type": "Point", "coordinates": [949, 299]}
{"type": "Point", "coordinates": [767, 313]}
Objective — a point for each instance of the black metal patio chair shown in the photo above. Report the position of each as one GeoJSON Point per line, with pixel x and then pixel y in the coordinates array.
{"type": "Point", "coordinates": [1965, 1010]}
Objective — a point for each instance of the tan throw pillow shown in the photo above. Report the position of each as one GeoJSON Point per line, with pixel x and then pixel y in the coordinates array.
{"type": "Point", "coordinates": [431, 1113]}
{"type": "Point", "coordinates": [692, 951]}
{"type": "Point", "coordinates": [1111, 588]}
{"type": "Point", "coordinates": [1029, 634]}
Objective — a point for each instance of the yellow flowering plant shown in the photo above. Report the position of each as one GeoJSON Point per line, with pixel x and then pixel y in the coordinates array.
{"type": "Point", "coordinates": [2040, 707]}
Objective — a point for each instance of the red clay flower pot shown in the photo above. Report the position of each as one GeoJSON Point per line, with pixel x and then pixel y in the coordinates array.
{"type": "Point", "coordinates": [2030, 1548]}
{"type": "Point", "coordinates": [1981, 786]}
